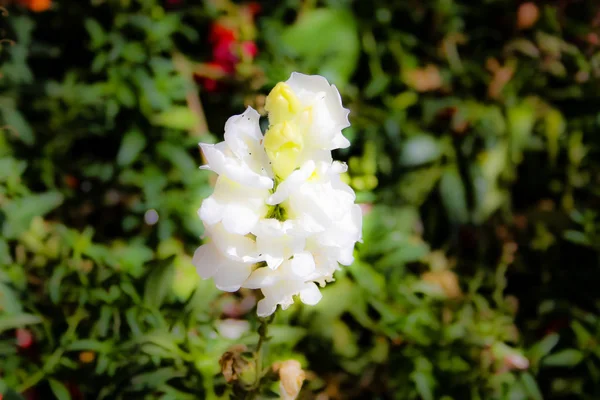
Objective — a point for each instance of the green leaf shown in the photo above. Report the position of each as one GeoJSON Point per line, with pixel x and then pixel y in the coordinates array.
{"type": "Point", "coordinates": [577, 237]}
{"type": "Point", "coordinates": [159, 283]}
{"type": "Point", "coordinates": [59, 390]}
{"type": "Point", "coordinates": [521, 119]}
{"type": "Point", "coordinates": [564, 358]}
{"type": "Point", "coordinates": [178, 157]}
{"type": "Point", "coordinates": [367, 278]}
{"type": "Point", "coordinates": [9, 300]}
{"type": "Point", "coordinates": [131, 258]}
{"type": "Point", "coordinates": [285, 334]}
{"type": "Point", "coordinates": [377, 85]}
{"type": "Point", "coordinates": [11, 395]}
{"type": "Point", "coordinates": [131, 146]}
{"type": "Point", "coordinates": [54, 283]}
{"type": "Point", "coordinates": [454, 196]}
{"type": "Point", "coordinates": [531, 386]}
{"type": "Point", "coordinates": [326, 42]}
{"type": "Point", "coordinates": [134, 52]}
{"type": "Point", "coordinates": [584, 338]}
{"type": "Point", "coordinates": [90, 345]}
{"type": "Point", "coordinates": [96, 32]}
{"type": "Point", "coordinates": [542, 348]}
{"type": "Point", "coordinates": [18, 321]}
{"type": "Point", "coordinates": [420, 149]}
{"type": "Point", "coordinates": [344, 340]}
{"type": "Point", "coordinates": [155, 378]}
{"type": "Point", "coordinates": [18, 125]}
{"type": "Point", "coordinates": [555, 128]}
{"type": "Point", "coordinates": [422, 384]}
{"type": "Point", "coordinates": [20, 212]}
{"type": "Point", "coordinates": [177, 117]}
{"type": "Point", "coordinates": [125, 95]}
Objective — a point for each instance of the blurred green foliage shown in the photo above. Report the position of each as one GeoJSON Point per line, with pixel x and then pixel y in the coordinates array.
{"type": "Point", "coordinates": [475, 156]}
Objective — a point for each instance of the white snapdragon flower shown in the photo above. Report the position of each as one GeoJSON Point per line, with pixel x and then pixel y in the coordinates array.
{"type": "Point", "coordinates": [224, 206]}
{"type": "Point", "coordinates": [316, 105]}
{"type": "Point", "coordinates": [280, 219]}
{"type": "Point", "coordinates": [229, 275]}
{"type": "Point", "coordinates": [241, 156]}
{"type": "Point", "coordinates": [278, 241]}
{"type": "Point", "coordinates": [279, 286]}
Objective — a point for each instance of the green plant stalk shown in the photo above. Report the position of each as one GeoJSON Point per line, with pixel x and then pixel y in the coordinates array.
{"type": "Point", "coordinates": [263, 337]}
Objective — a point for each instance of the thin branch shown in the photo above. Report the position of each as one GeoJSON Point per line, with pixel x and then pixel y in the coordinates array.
{"type": "Point", "coordinates": [193, 99]}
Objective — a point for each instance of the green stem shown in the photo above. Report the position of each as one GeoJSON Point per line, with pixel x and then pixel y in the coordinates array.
{"type": "Point", "coordinates": [263, 337]}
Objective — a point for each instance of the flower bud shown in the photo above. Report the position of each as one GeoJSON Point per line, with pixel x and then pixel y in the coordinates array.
{"type": "Point", "coordinates": [282, 103]}
{"type": "Point", "coordinates": [236, 367]}
{"type": "Point", "coordinates": [291, 377]}
{"type": "Point", "coordinates": [283, 144]}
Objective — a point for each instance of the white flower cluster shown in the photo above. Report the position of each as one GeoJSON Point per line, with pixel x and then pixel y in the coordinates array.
{"type": "Point", "coordinates": [280, 219]}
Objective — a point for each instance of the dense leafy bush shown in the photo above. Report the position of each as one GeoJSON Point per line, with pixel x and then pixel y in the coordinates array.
{"type": "Point", "coordinates": [475, 148]}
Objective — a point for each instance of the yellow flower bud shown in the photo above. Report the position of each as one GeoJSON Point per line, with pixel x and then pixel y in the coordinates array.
{"type": "Point", "coordinates": [282, 104]}
{"type": "Point", "coordinates": [283, 144]}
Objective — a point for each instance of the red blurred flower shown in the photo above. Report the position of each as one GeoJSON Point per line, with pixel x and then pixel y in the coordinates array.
{"type": "Point", "coordinates": [224, 56]}
{"type": "Point", "coordinates": [249, 48]}
{"type": "Point", "coordinates": [210, 76]}
{"type": "Point", "coordinates": [24, 338]}
{"type": "Point", "coordinates": [220, 32]}
{"type": "Point", "coordinates": [36, 5]}
{"type": "Point", "coordinates": [254, 8]}
{"type": "Point", "coordinates": [228, 49]}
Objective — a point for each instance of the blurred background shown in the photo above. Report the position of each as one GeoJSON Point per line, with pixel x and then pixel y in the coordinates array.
{"type": "Point", "coordinates": [474, 156]}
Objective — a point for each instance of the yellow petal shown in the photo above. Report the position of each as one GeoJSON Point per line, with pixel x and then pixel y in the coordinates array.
{"type": "Point", "coordinates": [282, 103]}
{"type": "Point", "coordinates": [283, 143]}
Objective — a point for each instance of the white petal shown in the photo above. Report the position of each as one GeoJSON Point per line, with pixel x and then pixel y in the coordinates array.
{"type": "Point", "coordinates": [303, 264]}
{"type": "Point", "coordinates": [231, 276]}
{"type": "Point", "coordinates": [291, 183]}
{"type": "Point", "coordinates": [311, 295]}
{"type": "Point", "coordinates": [273, 262]}
{"type": "Point", "coordinates": [211, 211]}
{"type": "Point", "coordinates": [339, 141]}
{"type": "Point", "coordinates": [346, 255]}
{"type": "Point", "coordinates": [357, 218]}
{"type": "Point", "coordinates": [207, 260]}
{"type": "Point", "coordinates": [315, 84]}
{"type": "Point", "coordinates": [269, 227]}
{"type": "Point", "coordinates": [261, 277]}
{"type": "Point", "coordinates": [239, 219]}
{"type": "Point", "coordinates": [338, 167]}
{"type": "Point", "coordinates": [244, 138]}
{"type": "Point", "coordinates": [235, 247]}
{"type": "Point", "coordinates": [246, 124]}
{"type": "Point", "coordinates": [266, 307]}
{"type": "Point", "coordinates": [234, 168]}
